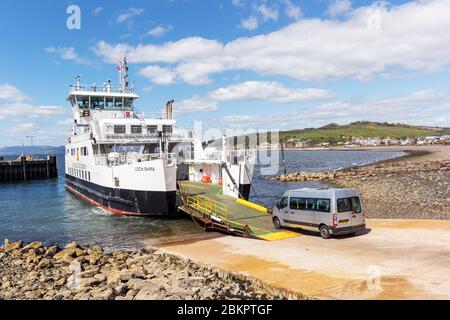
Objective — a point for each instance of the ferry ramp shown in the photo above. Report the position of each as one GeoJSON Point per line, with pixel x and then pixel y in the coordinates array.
{"type": "Point", "coordinates": [207, 204]}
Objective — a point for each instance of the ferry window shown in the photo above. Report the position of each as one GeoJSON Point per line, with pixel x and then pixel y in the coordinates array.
{"type": "Point", "coordinates": [83, 102]}
{"type": "Point", "coordinates": [167, 129]}
{"type": "Point", "coordinates": [119, 129]}
{"type": "Point", "coordinates": [109, 103]}
{"type": "Point", "coordinates": [284, 202]}
{"type": "Point", "coordinates": [118, 103]}
{"type": "Point", "coordinates": [349, 204]}
{"type": "Point", "coordinates": [152, 129]}
{"type": "Point", "coordinates": [298, 203]}
{"type": "Point", "coordinates": [89, 176]}
{"type": "Point", "coordinates": [136, 129]}
{"type": "Point", "coordinates": [98, 103]}
{"type": "Point", "coordinates": [128, 103]}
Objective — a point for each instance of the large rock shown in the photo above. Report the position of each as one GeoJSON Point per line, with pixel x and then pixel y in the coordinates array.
{"type": "Point", "coordinates": [68, 252]}
{"type": "Point", "coordinates": [148, 293]}
{"type": "Point", "coordinates": [33, 245]}
{"type": "Point", "coordinates": [10, 246]}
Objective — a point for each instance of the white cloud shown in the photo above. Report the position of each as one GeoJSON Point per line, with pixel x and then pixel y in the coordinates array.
{"type": "Point", "coordinates": [251, 23]}
{"type": "Point", "coordinates": [68, 54]}
{"type": "Point", "coordinates": [97, 10]}
{"type": "Point", "coordinates": [268, 91]}
{"type": "Point", "coordinates": [187, 49]}
{"type": "Point", "coordinates": [21, 128]}
{"type": "Point", "coordinates": [195, 104]}
{"type": "Point", "coordinates": [339, 7]}
{"type": "Point", "coordinates": [29, 110]}
{"type": "Point", "coordinates": [250, 90]}
{"type": "Point", "coordinates": [412, 38]}
{"type": "Point", "coordinates": [159, 31]}
{"type": "Point", "coordinates": [158, 75]}
{"type": "Point", "coordinates": [236, 118]}
{"type": "Point", "coordinates": [129, 14]}
{"type": "Point", "coordinates": [292, 11]}
{"type": "Point", "coordinates": [267, 13]}
{"type": "Point", "coordinates": [11, 93]}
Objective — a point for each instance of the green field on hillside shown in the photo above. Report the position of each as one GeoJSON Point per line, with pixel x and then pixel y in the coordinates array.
{"type": "Point", "coordinates": [334, 132]}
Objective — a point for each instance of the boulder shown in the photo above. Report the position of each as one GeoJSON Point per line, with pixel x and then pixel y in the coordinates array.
{"type": "Point", "coordinates": [10, 246]}
{"type": "Point", "coordinates": [68, 252]}
{"type": "Point", "coordinates": [33, 245]}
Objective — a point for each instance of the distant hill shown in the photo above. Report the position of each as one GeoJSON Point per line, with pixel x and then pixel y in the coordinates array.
{"type": "Point", "coordinates": [17, 150]}
{"type": "Point", "coordinates": [334, 132]}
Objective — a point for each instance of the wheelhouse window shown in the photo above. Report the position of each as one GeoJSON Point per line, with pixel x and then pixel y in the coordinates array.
{"type": "Point", "coordinates": [118, 103]}
{"type": "Point", "coordinates": [349, 204]}
{"type": "Point", "coordinates": [109, 103]}
{"type": "Point", "coordinates": [83, 102]}
{"type": "Point", "coordinates": [136, 129]}
{"type": "Point", "coordinates": [128, 103]}
{"type": "Point", "coordinates": [119, 129]}
{"type": "Point", "coordinates": [98, 103]}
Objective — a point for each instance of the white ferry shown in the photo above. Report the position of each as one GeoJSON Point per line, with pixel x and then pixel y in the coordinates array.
{"type": "Point", "coordinates": [125, 163]}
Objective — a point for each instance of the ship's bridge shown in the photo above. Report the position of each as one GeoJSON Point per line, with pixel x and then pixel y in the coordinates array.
{"type": "Point", "coordinates": [104, 98]}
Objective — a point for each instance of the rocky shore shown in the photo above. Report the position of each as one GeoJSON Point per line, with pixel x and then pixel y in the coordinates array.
{"type": "Point", "coordinates": [399, 189]}
{"type": "Point", "coordinates": [34, 271]}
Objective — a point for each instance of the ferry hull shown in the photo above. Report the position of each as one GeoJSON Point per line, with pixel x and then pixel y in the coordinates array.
{"type": "Point", "coordinates": [124, 202]}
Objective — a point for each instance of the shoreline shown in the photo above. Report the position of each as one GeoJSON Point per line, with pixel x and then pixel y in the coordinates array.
{"type": "Point", "coordinates": [32, 271]}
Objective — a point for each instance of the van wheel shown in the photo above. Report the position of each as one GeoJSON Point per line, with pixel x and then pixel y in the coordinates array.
{"type": "Point", "coordinates": [276, 223]}
{"type": "Point", "coordinates": [324, 232]}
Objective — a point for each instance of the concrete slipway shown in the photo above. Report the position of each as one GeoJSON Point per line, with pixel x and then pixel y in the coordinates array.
{"type": "Point", "coordinates": [395, 259]}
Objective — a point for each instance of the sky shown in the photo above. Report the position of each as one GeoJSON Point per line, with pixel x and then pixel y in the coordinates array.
{"type": "Point", "coordinates": [239, 64]}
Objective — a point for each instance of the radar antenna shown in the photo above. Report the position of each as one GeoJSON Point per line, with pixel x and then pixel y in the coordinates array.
{"type": "Point", "coordinates": [123, 73]}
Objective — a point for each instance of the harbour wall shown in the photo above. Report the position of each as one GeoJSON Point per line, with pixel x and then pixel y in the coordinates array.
{"type": "Point", "coordinates": [24, 169]}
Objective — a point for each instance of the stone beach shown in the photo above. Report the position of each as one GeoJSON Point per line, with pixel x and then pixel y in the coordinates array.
{"type": "Point", "coordinates": [34, 271]}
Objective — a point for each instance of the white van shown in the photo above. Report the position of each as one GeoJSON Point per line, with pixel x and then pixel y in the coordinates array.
{"type": "Point", "coordinates": [327, 210]}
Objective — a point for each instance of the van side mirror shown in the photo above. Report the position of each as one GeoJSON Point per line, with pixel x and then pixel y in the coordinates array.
{"type": "Point", "coordinates": [277, 204]}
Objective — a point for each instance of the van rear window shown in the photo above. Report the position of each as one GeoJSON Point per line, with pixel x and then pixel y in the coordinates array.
{"type": "Point", "coordinates": [349, 204]}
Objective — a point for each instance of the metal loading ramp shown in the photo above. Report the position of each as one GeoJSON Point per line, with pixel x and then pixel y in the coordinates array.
{"type": "Point", "coordinates": [210, 207]}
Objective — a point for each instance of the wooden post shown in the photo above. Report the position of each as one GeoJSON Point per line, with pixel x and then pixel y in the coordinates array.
{"type": "Point", "coordinates": [24, 167]}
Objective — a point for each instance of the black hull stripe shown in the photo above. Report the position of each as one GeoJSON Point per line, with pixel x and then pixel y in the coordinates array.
{"type": "Point", "coordinates": [153, 203]}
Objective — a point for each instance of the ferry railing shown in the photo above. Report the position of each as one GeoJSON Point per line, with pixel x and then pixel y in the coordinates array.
{"type": "Point", "coordinates": [207, 207]}
{"type": "Point", "coordinates": [127, 138]}
{"type": "Point", "coordinates": [233, 156]}
{"type": "Point", "coordinates": [132, 157]}
{"type": "Point", "coordinates": [102, 88]}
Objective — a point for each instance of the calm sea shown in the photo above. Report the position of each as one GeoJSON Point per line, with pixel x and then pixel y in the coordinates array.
{"type": "Point", "coordinates": [45, 211]}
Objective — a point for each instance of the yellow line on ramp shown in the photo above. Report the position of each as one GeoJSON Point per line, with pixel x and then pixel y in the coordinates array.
{"type": "Point", "coordinates": [278, 235]}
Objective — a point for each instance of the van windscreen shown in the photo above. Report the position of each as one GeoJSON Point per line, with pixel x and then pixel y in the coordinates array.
{"type": "Point", "coordinates": [349, 204]}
